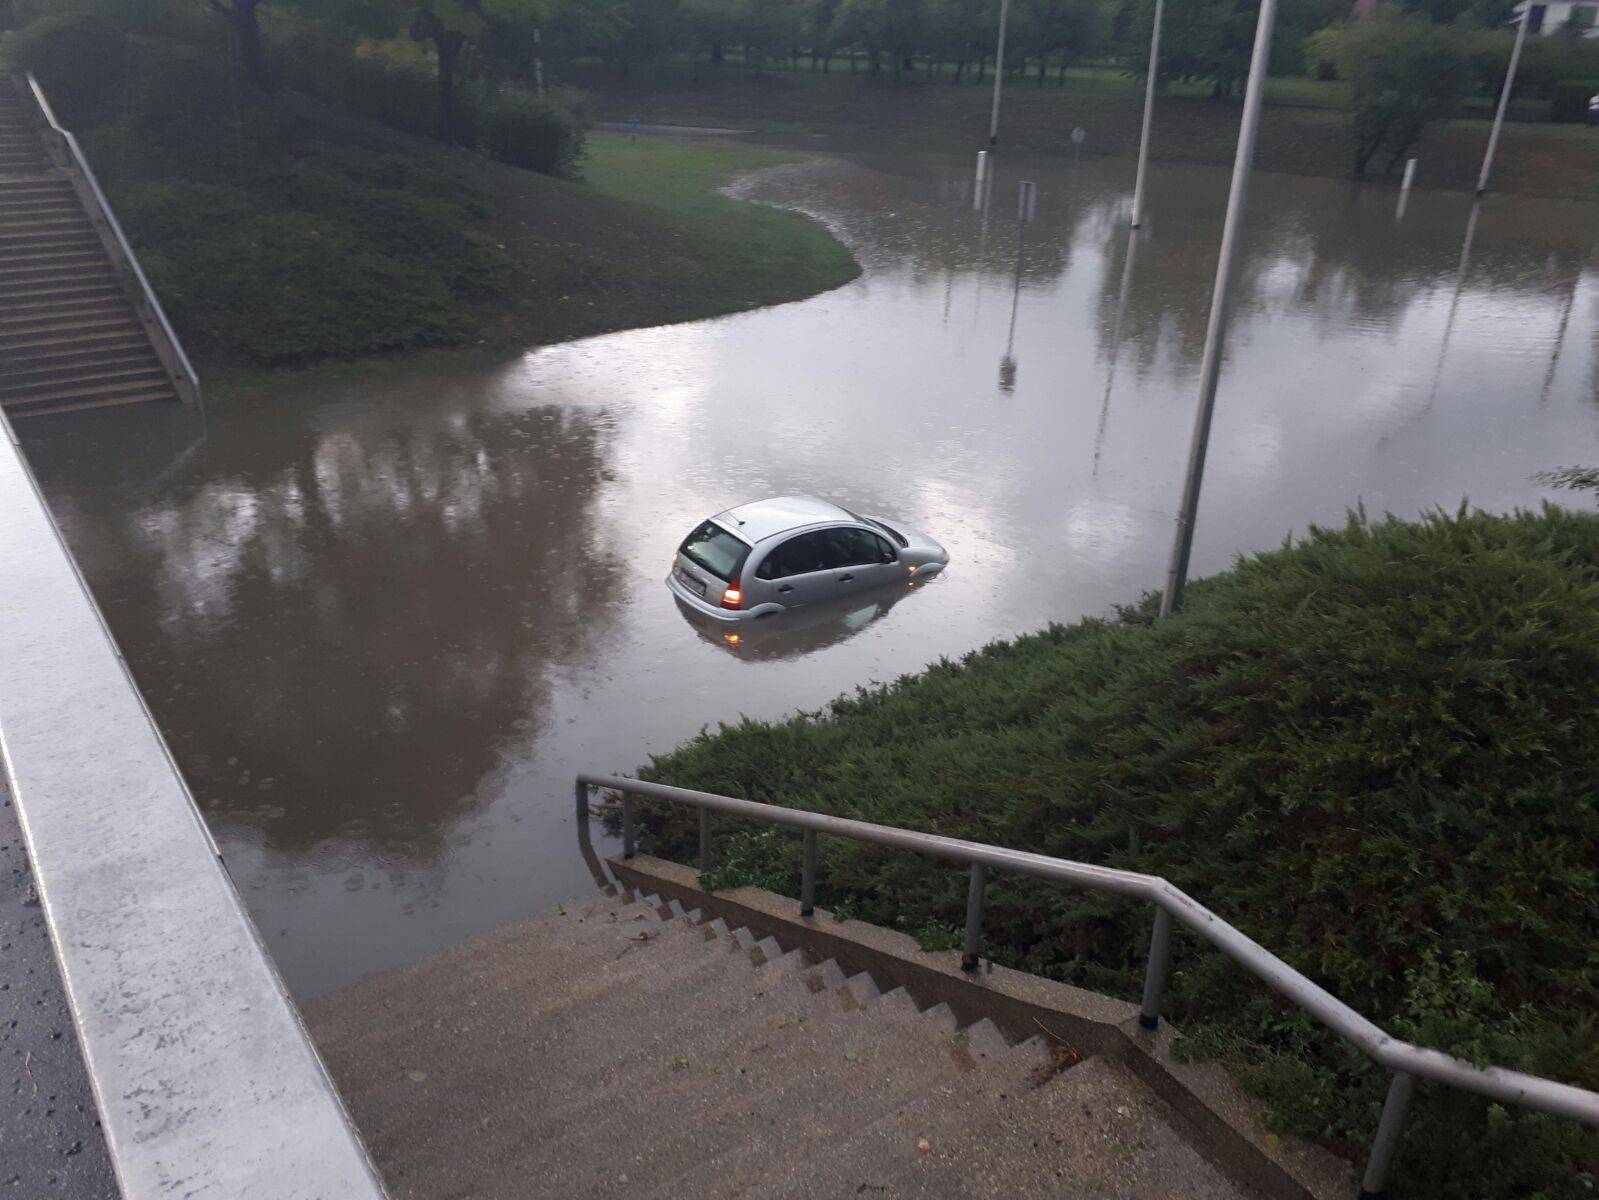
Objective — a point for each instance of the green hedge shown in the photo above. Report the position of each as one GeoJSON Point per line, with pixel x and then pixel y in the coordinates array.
{"type": "Point", "coordinates": [1376, 751]}
{"type": "Point", "coordinates": [525, 131]}
{"type": "Point", "coordinates": [81, 60]}
{"type": "Point", "coordinates": [1571, 98]}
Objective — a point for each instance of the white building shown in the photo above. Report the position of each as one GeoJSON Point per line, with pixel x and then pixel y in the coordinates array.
{"type": "Point", "coordinates": [1548, 16]}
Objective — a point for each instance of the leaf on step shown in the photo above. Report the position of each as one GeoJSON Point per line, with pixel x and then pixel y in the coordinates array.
{"type": "Point", "coordinates": [851, 1056]}
{"type": "Point", "coordinates": [417, 1076]}
{"type": "Point", "coordinates": [924, 1146]}
{"type": "Point", "coordinates": [680, 1063]}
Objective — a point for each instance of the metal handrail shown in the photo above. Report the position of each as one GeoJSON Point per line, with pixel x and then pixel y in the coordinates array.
{"type": "Point", "coordinates": [81, 165]}
{"type": "Point", "coordinates": [1407, 1061]}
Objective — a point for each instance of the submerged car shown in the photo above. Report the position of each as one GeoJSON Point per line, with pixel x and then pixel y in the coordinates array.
{"type": "Point", "coordinates": [773, 555]}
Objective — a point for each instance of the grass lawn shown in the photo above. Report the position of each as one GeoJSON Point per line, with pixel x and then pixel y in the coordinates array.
{"type": "Point", "coordinates": [749, 254]}
{"type": "Point", "coordinates": [1303, 130]}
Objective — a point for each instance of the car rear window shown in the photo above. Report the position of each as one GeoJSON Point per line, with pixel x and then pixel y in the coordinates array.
{"type": "Point", "coordinates": [715, 549]}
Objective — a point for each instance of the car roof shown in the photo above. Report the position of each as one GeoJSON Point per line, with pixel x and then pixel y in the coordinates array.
{"type": "Point", "coordinates": [767, 518]}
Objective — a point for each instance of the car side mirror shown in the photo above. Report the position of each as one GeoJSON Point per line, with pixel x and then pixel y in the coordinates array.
{"type": "Point", "coordinates": [890, 556]}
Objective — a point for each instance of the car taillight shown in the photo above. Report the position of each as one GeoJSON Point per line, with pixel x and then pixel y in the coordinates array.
{"type": "Point", "coordinates": [732, 597]}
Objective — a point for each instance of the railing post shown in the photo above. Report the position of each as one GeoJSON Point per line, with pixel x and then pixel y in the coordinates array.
{"type": "Point", "coordinates": [705, 839]}
{"type": "Point", "coordinates": [1388, 1128]}
{"type": "Point", "coordinates": [974, 916]}
{"type": "Point", "coordinates": [1155, 969]}
{"type": "Point", "coordinates": [808, 876]}
{"type": "Point", "coordinates": [581, 794]}
{"type": "Point", "coordinates": [627, 825]}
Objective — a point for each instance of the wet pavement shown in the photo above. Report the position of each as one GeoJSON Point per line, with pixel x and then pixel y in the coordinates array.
{"type": "Point", "coordinates": [384, 618]}
{"type": "Point", "coordinates": [49, 1130]}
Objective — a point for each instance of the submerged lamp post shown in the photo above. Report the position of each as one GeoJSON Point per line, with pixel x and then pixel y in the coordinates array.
{"type": "Point", "coordinates": [1504, 97]}
{"type": "Point", "coordinates": [1149, 111]}
{"type": "Point", "coordinates": [1226, 267]}
{"type": "Point", "coordinates": [999, 74]}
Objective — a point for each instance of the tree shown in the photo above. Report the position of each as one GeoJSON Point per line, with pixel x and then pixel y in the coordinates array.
{"type": "Point", "coordinates": [1211, 41]}
{"type": "Point", "coordinates": [245, 24]}
{"type": "Point", "coordinates": [1402, 71]}
{"type": "Point", "coordinates": [453, 27]}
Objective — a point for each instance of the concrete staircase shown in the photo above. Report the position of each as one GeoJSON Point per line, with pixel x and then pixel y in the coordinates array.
{"type": "Point", "coordinates": [623, 1047]}
{"type": "Point", "coordinates": [70, 336]}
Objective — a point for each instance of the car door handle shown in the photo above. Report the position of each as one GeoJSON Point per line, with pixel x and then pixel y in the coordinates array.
{"type": "Point", "coordinates": [787, 587]}
{"type": "Point", "coordinates": [845, 578]}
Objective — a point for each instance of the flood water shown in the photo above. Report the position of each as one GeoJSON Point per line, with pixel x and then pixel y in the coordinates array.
{"type": "Point", "coordinates": [383, 621]}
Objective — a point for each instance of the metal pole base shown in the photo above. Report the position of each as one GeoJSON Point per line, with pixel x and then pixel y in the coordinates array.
{"type": "Point", "coordinates": [1148, 1022]}
{"type": "Point", "coordinates": [969, 964]}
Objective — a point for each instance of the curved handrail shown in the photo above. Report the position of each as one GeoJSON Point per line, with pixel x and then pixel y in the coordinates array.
{"type": "Point", "coordinates": [81, 165]}
{"type": "Point", "coordinates": [1406, 1060]}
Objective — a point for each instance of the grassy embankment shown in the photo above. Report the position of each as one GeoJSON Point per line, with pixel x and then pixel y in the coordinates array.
{"type": "Point", "coordinates": [1302, 130]}
{"type": "Point", "coordinates": [285, 233]}
{"type": "Point", "coordinates": [1373, 751]}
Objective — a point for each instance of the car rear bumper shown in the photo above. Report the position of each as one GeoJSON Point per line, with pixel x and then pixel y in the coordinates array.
{"type": "Point", "coordinates": [702, 607]}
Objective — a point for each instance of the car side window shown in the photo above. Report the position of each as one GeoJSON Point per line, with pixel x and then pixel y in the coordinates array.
{"type": "Point", "coordinates": [800, 555]}
{"type": "Point", "coordinates": [859, 547]}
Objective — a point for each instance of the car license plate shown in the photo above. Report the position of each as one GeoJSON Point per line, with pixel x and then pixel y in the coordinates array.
{"type": "Point", "coordinates": [693, 585]}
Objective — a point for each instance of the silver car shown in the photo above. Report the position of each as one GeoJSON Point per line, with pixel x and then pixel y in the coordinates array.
{"type": "Point", "coordinates": [773, 555]}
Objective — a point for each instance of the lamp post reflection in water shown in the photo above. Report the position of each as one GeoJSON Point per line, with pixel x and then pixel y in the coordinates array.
{"type": "Point", "coordinates": [1026, 210]}
{"type": "Point", "coordinates": [1115, 344]}
{"type": "Point", "coordinates": [1461, 271]}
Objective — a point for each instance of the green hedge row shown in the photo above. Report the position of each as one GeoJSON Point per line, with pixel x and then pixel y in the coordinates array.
{"type": "Point", "coordinates": [1375, 751]}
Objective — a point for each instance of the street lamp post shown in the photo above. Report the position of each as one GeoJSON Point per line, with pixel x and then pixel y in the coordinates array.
{"type": "Point", "coordinates": [1210, 365]}
{"type": "Point", "coordinates": [1149, 110]}
{"type": "Point", "coordinates": [999, 74]}
{"type": "Point", "coordinates": [1504, 97]}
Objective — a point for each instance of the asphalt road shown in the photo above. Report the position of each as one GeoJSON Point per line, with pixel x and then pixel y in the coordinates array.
{"type": "Point", "coordinates": [49, 1129]}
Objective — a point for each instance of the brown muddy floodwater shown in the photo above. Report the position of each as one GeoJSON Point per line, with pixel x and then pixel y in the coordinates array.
{"type": "Point", "coordinates": [384, 620]}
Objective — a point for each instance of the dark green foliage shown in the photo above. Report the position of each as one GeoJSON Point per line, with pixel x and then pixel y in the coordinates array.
{"type": "Point", "coordinates": [81, 59]}
{"type": "Point", "coordinates": [1545, 61]}
{"type": "Point", "coordinates": [1374, 750]}
{"type": "Point", "coordinates": [1570, 99]}
{"type": "Point", "coordinates": [275, 232]}
{"type": "Point", "coordinates": [1403, 72]}
{"type": "Point", "coordinates": [525, 131]}
{"type": "Point", "coordinates": [282, 285]}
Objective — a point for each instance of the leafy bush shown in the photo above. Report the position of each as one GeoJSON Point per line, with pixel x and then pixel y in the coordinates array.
{"type": "Point", "coordinates": [1571, 96]}
{"type": "Point", "coordinates": [57, 49]}
{"type": "Point", "coordinates": [522, 130]}
{"type": "Point", "coordinates": [1545, 61]}
{"type": "Point", "coordinates": [1373, 750]}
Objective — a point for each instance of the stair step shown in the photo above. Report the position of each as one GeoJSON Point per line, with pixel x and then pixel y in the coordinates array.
{"type": "Point", "coordinates": [94, 271]}
{"type": "Point", "coordinates": [82, 369]}
{"type": "Point", "coordinates": [34, 223]}
{"type": "Point", "coordinates": [152, 373]}
{"type": "Point", "coordinates": [70, 354]}
{"type": "Point", "coordinates": [18, 306]}
{"type": "Point", "coordinates": [44, 409]}
{"type": "Point", "coordinates": [89, 391]}
{"type": "Point", "coordinates": [67, 328]}
{"type": "Point", "coordinates": [68, 252]}
{"type": "Point", "coordinates": [12, 352]}
{"type": "Point", "coordinates": [15, 319]}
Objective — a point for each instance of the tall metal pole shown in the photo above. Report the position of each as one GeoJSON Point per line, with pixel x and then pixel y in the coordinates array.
{"type": "Point", "coordinates": [999, 74]}
{"type": "Point", "coordinates": [1504, 97]}
{"type": "Point", "coordinates": [1149, 112]}
{"type": "Point", "coordinates": [1210, 365]}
